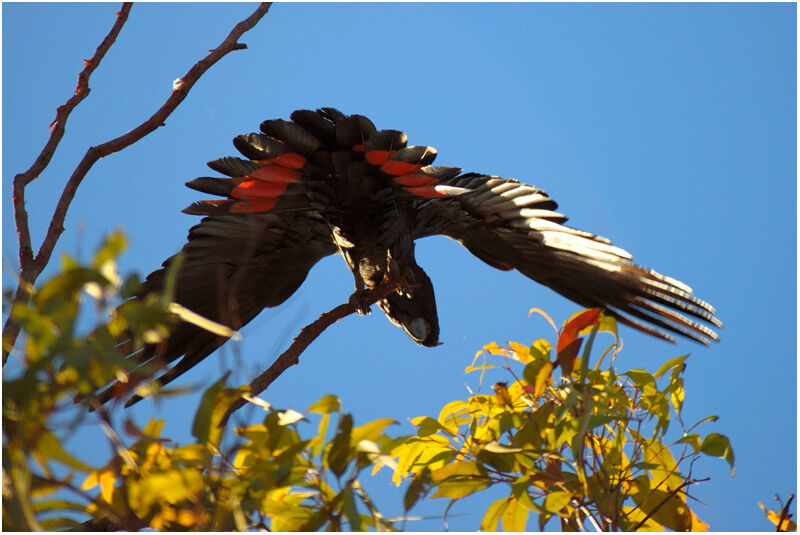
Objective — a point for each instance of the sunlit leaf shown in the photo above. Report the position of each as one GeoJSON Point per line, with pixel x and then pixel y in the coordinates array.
{"type": "Point", "coordinates": [670, 364]}
{"type": "Point", "coordinates": [370, 431]}
{"type": "Point", "coordinates": [492, 516]}
{"type": "Point", "coordinates": [460, 487]}
{"type": "Point", "coordinates": [326, 405]}
{"type": "Point", "coordinates": [573, 326]}
{"type": "Point", "coordinates": [515, 516]}
{"type": "Point", "coordinates": [543, 379]}
{"type": "Point", "coordinates": [289, 417]}
{"type": "Point", "coordinates": [775, 517]}
{"type": "Point", "coordinates": [496, 447]}
{"type": "Point", "coordinates": [555, 501]}
{"type": "Point", "coordinates": [718, 445]}
{"type": "Point", "coordinates": [204, 323]}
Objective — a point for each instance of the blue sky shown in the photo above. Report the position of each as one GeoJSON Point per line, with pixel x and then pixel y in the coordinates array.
{"type": "Point", "coordinates": [669, 128]}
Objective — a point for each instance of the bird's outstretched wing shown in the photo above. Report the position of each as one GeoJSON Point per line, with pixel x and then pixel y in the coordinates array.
{"type": "Point", "coordinates": [233, 267]}
{"type": "Point", "coordinates": [511, 225]}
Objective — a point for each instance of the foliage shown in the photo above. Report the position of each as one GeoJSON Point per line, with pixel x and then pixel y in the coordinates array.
{"type": "Point", "coordinates": [588, 447]}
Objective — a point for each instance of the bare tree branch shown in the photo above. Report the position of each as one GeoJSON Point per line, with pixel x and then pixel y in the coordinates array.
{"type": "Point", "coordinates": [308, 334]}
{"type": "Point", "coordinates": [30, 266]}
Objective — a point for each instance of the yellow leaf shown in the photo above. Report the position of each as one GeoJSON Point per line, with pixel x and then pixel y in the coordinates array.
{"type": "Point", "coordinates": [515, 516]}
{"type": "Point", "coordinates": [543, 379]}
{"type": "Point", "coordinates": [92, 480]}
{"type": "Point", "coordinates": [775, 518]}
{"type": "Point", "coordinates": [370, 431]}
{"type": "Point", "coordinates": [492, 516]}
{"type": "Point", "coordinates": [635, 516]}
{"type": "Point", "coordinates": [204, 323]}
{"type": "Point", "coordinates": [107, 480]}
{"type": "Point", "coordinates": [470, 369]}
{"type": "Point", "coordinates": [494, 349]}
{"type": "Point", "coordinates": [186, 518]}
{"type": "Point", "coordinates": [449, 416]}
{"type": "Point", "coordinates": [522, 353]}
{"type": "Point", "coordinates": [460, 468]}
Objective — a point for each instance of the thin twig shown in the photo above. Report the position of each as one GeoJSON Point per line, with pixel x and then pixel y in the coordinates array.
{"type": "Point", "coordinates": [31, 267]}
{"type": "Point", "coordinates": [784, 514]}
{"type": "Point", "coordinates": [308, 334]}
{"type": "Point", "coordinates": [57, 129]}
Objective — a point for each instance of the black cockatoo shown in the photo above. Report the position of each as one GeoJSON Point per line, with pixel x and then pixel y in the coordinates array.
{"type": "Point", "coordinates": [326, 183]}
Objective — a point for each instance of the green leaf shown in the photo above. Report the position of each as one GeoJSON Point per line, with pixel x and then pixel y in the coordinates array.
{"type": "Point", "coordinates": [213, 405]}
{"type": "Point", "coordinates": [666, 475]}
{"type": "Point", "coordinates": [691, 439]}
{"type": "Point", "coordinates": [113, 245]}
{"type": "Point", "coordinates": [641, 378]}
{"type": "Point", "coordinates": [428, 426]}
{"type": "Point", "coordinates": [458, 468]}
{"type": "Point", "coordinates": [419, 485]}
{"type": "Point", "coordinates": [350, 509]}
{"type": "Point", "coordinates": [460, 487]}
{"type": "Point", "coordinates": [718, 445]}
{"type": "Point", "coordinates": [670, 364]}
{"type": "Point", "coordinates": [50, 447]}
{"type": "Point", "coordinates": [326, 405]}
{"type": "Point", "coordinates": [370, 431]}
{"type": "Point", "coordinates": [339, 452]}
{"type": "Point", "coordinates": [712, 418]}
{"type": "Point", "coordinates": [555, 501]}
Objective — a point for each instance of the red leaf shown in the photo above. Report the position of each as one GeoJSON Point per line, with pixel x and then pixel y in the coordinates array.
{"type": "Point", "coordinates": [576, 325]}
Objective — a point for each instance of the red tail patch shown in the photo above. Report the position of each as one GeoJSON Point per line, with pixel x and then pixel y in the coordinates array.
{"type": "Point", "coordinates": [276, 173]}
{"type": "Point", "coordinates": [260, 205]}
{"type": "Point", "coordinates": [258, 189]}
{"type": "Point", "coordinates": [289, 160]}
{"type": "Point", "coordinates": [415, 180]}
{"type": "Point", "coordinates": [396, 167]}
{"type": "Point", "coordinates": [377, 157]}
{"type": "Point", "coordinates": [426, 191]}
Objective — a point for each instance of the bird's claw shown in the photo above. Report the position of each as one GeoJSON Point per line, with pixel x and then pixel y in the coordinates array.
{"type": "Point", "coordinates": [358, 302]}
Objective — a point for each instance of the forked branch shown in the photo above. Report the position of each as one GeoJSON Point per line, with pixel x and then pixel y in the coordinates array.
{"type": "Point", "coordinates": [32, 266]}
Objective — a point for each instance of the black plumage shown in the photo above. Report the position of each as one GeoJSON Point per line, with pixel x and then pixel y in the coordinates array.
{"type": "Point", "coordinates": [326, 183]}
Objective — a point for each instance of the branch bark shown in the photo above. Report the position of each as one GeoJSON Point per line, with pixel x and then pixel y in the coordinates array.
{"type": "Point", "coordinates": [32, 266]}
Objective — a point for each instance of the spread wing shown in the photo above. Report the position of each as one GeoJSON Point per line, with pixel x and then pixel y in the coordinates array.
{"type": "Point", "coordinates": [233, 267]}
{"type": "Point", "coordinates": [511, 225]}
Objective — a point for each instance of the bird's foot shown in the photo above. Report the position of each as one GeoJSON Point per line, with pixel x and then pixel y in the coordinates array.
{"type": "Point", "coordinates": [358, 300]}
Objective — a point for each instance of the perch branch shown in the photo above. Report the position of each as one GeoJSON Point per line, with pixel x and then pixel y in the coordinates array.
{"type": "Point", "coordinates": [308, 334]}
{"type": "Point", "coordinates": [31, 267]}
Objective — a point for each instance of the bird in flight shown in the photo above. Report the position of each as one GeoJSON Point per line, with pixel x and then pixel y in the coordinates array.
{"type": "Point", "coordinates": [325, 183]}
